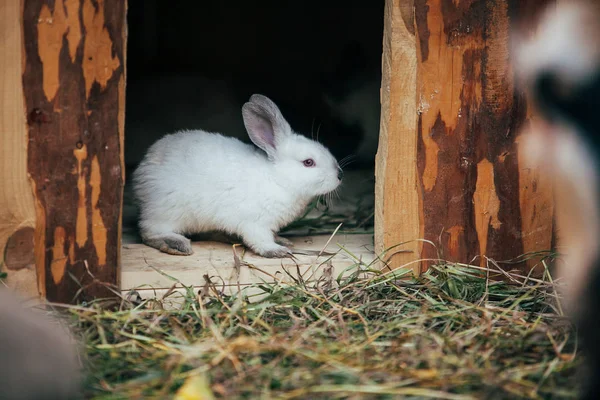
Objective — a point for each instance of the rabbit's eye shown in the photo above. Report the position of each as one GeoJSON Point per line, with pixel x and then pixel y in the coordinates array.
{"type": "Point", "coordinates": [309, 162]}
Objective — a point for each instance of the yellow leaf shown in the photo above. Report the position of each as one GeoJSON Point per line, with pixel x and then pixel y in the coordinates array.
{"type": "Point", "coordinates": [196, 387]}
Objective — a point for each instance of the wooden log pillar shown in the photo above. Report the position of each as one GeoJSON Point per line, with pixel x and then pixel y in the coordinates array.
{"type": "Point", "coordinates": [17, 209]}
{"type": "Point", "coordinates": [67, 79]}
{"type": "Point", "coordinates": [448, 168]}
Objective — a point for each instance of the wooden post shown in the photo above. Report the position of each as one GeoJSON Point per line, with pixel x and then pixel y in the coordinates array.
{"type": "Point", "coordinates": [448, 167]}
{"type": "Point", "coordinates": [63, 81]}
{"type": "Point", "coordinates": [17, 210]}
{"type": "Point", "coordinates": [398, 198]}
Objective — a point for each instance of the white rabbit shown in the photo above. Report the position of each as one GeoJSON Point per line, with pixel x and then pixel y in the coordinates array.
{"type": "Point", "coordinates": [196, 181]}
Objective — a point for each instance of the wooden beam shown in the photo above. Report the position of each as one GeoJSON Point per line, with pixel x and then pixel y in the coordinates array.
{"type": "Point", "coordinates": [73, 82]}
{"type": "Point", "coordinates": [397, 192]}
{"type": "Point", "coordinates": [458, 124]}
{"type": "Point", "coordinates": [17, 210]}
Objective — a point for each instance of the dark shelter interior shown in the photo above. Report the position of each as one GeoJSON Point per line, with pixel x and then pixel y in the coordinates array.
{"type": "Point", "coordinates": [193, 64]}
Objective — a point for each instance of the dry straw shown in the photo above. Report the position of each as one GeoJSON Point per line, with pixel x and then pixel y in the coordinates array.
{"type": "Point", "coordinates": [452, 333]}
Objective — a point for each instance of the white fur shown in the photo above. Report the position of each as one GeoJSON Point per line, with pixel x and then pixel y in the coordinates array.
{"type": "Point", "coordinates": [566, 43]}
{"type": "Point", "coordinates": [574, 168]}
{"type": "Point", "coordinates": [566, 49]}
{"type": "Point", "coordinates": [196, 181]}
{"type": "Point", "coordinates": [577, 216]}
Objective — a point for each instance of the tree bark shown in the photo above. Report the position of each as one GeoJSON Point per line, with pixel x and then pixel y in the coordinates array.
{"type": "Point", "coordinates": [451, 123]}
{"type": "Point", "coordinates": [74, 85]}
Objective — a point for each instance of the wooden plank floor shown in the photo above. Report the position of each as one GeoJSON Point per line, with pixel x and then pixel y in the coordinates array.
{"type": "Point", "coordinates": [152, 273]}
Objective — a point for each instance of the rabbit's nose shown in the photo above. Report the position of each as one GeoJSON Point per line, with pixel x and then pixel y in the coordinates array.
{"type": "Point", "coordinates": [340, 174]}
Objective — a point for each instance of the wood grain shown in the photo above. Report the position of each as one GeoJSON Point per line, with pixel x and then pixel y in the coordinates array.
{"type": "Point", "coordinates": [397, 206]}
{"type": "Point", "coordinates": [475, 195]}
{"type": "Point", "coordinates": [17, 209]}
{"type": "Point", "coordinates": [145, 268]}
{"type": "Point", "coordinates": [74, 90]}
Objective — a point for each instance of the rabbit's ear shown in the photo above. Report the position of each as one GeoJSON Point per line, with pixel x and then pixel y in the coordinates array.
{"type": "Point", "coordinates": [265, 123]}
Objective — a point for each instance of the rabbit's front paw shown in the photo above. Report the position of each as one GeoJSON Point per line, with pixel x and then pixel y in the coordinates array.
{"type": "Point", "coordinates": [178, 246]}
{"type": "Point", "coordinates": [283, 241]}
{"type": "Point", "coordinates": [275, 252]}
{"type": "Point", "coordinates": [171, 243]}
{"type": "Point", "coordinates": [261, 241]}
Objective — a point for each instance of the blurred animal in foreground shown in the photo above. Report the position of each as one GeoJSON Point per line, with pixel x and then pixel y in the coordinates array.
{"type": "Point", "coordinates": [38, 360]}
{"type": "Point", "coordinates": [560, 65]}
